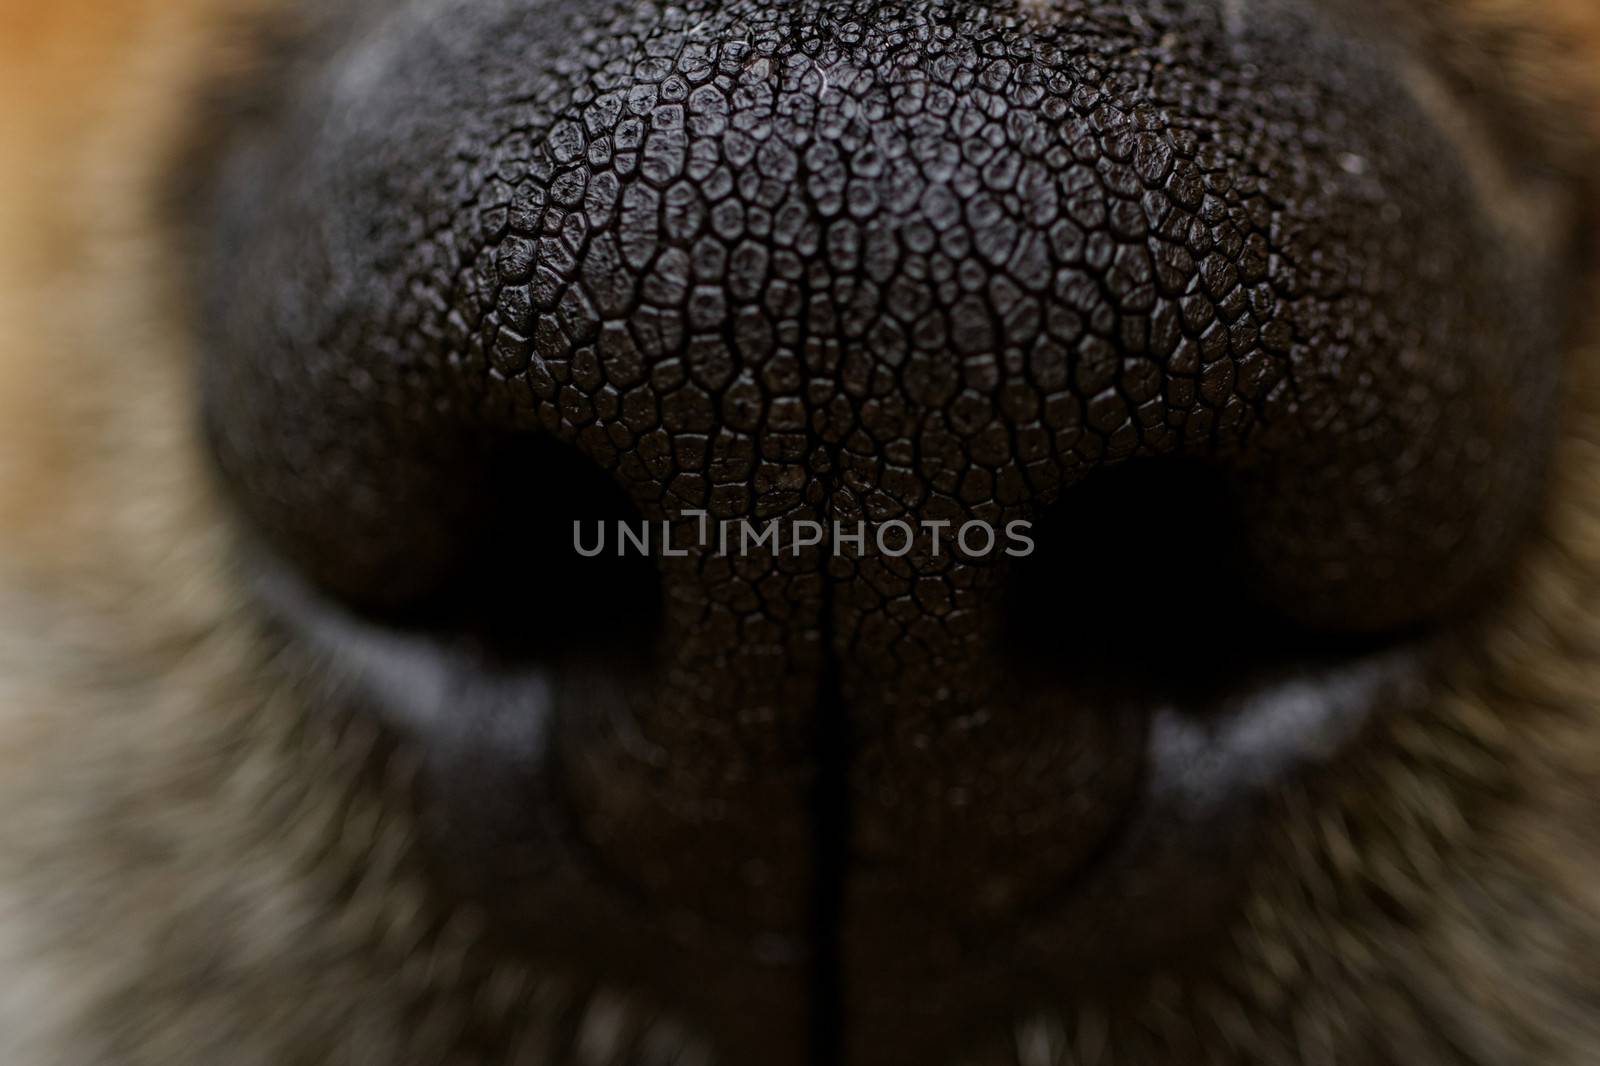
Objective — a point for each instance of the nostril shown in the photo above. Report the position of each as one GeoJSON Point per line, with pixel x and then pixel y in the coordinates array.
{"type": "Point", "coordinates": [1143, 577]}
{"type": "Point", "coordinates": [515, 588]}
{"type": "Point", "coordinates": [475, 549]}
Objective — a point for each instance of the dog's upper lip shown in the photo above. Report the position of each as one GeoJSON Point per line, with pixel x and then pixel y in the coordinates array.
{"type": "Point", "coordinates": [1207, 770]}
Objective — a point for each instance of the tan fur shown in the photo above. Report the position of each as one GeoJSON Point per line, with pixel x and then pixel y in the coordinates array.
{"type": "Point", "coordinates": [1534, 58]}
{"type": "Point", "coordinates": [185, 875]}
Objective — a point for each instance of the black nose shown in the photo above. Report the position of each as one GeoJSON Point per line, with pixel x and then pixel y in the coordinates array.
{"type": "Point", "coordinates": [491, 269]}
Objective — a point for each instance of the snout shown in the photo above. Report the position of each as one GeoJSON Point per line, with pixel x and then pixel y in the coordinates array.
{"type": "Point", "coordinates": [1100, 373]}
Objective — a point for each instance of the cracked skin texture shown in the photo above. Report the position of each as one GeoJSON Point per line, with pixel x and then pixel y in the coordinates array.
{"type": "Point", "coordinates": [865, 261]}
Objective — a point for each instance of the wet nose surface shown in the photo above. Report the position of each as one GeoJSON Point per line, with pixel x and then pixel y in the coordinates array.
{"type": "Point", "coordinates": [913, 273]}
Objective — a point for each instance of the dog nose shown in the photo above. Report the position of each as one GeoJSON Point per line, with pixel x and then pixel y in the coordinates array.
{"type": "Point", "coordinates": [903, 289]}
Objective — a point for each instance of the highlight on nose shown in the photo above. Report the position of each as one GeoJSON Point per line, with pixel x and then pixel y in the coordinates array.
{"type": "Point", "coordinates": [501, 267]}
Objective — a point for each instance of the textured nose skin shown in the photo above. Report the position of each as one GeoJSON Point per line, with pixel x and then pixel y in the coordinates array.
{"type": "Point", "coordinates": [864, 262]}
